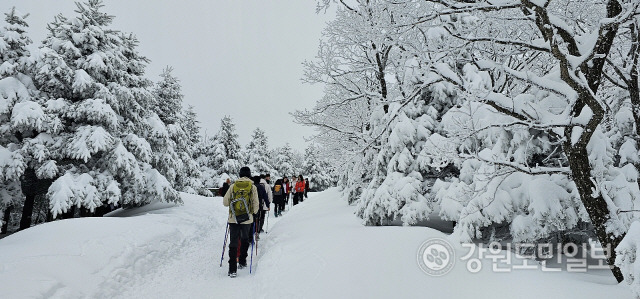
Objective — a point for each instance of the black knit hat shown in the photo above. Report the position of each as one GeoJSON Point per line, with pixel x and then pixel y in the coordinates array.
{"type": "Point", "coordinates": [245, 172]}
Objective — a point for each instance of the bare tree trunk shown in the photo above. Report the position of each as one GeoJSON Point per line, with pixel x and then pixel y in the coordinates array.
{"type": "Point", "coordinates": [102, 210]}
{"type": "Point", "coordinates": [70, 213]}
{"type": "Point", "coordinates": [32, 186]}
{"type": "Point", "coordinates": [27, 211]}
{"type": "Point", "coordinates": [596, 206]}
{"type": "Point", "coordinates": [5, 218]}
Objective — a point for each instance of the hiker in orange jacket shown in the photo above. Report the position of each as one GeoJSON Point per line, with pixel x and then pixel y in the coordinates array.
{"type": "Point", "coordinates": [299, 189]}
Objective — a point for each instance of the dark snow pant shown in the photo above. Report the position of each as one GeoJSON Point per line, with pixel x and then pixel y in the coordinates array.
{"type": "Point", "coordinates": [238, 233]}
{"type": "Point", "coordinates": [261, 221]}
{"type": "Point", "coordinates": [305, 193]}
{"type": "Point", "coordinates": [278, 206]}
{"type": "Point", "coordinates": [297, 197]}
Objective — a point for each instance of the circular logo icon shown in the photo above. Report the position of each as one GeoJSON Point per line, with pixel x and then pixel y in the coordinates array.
{"type": "Point", "coordinates": [436, 257]}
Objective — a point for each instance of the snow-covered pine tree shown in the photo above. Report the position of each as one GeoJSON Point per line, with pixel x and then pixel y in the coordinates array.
{"type": "Point", "coordinates": [297, 161]}
{"type": "Point", "coordinates": [283, 162]}
{"type": "Point", "coordinates": [204, 157]}
{"type": "Point", "coordinates": [191, 126]}
{"type": "Point", "coordinates": [94, 81]}
{"type": "Point", "coordinates": [219, 156]}
{"type": "Point", "coordinates": [191, 179]}
{"type": "Point", "coordinates": [317, 169]}
{"type": "Point", "coordinates": [174, 151]}
{"type": "Point", "coordinates": [256, 154]}
{"type": "Point", "coordinates": [228, 140]}
{"type": "Point", "coordinates": [25, 126]}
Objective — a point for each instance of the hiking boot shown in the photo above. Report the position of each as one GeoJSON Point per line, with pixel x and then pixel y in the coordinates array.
{"type": "Point", "coordinates": [242, 266]}
{"type": "Point", "coordinates": [257, 237]}
{"type": "Point", "coordinates": [233, 274]}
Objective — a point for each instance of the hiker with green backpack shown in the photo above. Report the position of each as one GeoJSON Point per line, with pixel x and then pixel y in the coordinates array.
{"type": "Point", "coordinates": [242, 200]}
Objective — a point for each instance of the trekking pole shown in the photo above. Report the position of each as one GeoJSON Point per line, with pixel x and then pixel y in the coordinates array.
{"type": "Point", "coordinates": [252, 240]}
{"type": "Point", "coordinates": [224, 246]}
{"type": "Point", "coordinates": [266, 231]}
{"type": "Point", "coordinates": [254, 233]}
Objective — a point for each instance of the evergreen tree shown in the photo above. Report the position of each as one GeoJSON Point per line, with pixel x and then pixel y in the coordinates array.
{"type": "Point", "coordinates": [191, 126]}
{"type": "Point", "coordinates": [25, 125]}
{"type": "Point", "coordinates": [283, 162]}
{"type": "Point", "coordinates": [257, 153]}
{"type": "Point", "coordinates": [174, 148]}
{"type": "Point", "coordinates": [317, 170]}
{"type": "Point", "coordinates": [220, 155]}
{"type": "Point", "coordinates": [229, 147]}
{"type": "Point", "coordinates": [94, 80]}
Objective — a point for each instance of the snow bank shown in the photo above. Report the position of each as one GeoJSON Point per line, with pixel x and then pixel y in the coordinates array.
{"type": "Point", "coordinates": [627, 254]}
{"type": "Point", "coordinates": [321, 250]}
{"type": "Point", "coordinates": [97, 257]}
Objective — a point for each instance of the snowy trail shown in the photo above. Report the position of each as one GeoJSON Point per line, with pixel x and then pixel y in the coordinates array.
{"type": "Point", "coordinates": [196, 273]}
{"type": "Point", "coordinates": [319, 249]}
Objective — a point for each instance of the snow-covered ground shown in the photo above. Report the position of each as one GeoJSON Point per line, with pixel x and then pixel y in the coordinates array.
{"type": "Point", "coordinates": [318, 249]}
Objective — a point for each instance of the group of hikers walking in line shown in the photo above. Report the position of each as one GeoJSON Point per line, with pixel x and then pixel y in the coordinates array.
{"type": "Point", "coordinates": [249, 200]}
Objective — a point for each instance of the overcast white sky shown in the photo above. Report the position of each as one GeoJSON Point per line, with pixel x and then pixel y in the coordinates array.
{"type": "Point", "coordinates": [236, 57]}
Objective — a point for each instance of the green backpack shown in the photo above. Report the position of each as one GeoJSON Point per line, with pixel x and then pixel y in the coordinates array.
{"type": "Point", "coordinates": [240, 203]}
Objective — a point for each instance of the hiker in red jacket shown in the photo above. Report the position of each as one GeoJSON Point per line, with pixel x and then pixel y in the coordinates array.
{"type": "Point", "coordinates": [287, 189]}
{"type": "Point", "coordinates": [299, 189]}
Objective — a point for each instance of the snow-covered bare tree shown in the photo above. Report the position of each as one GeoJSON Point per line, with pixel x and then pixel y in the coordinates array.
{"type": "Point", "coordinates": [352, 61]}
{"type": "Point", "coordinates": [528, 104]}
{"type": "Point", "coordinates": [380, 106]}
{"type": "Point", "coordinates": [534, 69]}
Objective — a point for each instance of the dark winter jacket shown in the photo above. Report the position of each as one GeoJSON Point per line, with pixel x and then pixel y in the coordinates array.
{"type": "Point", "coordinates": [224, 189]}
{"type": "Point", "coordinates": [278, 198]}
{"type": "Point", "coordinates": [262, 195]}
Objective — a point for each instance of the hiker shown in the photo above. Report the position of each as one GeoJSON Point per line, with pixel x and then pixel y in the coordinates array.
{"type": "Point", "coordinates": [267, 177]}
{"type": "Point", "coordinates": [299, 190]}
{"type": "Point", "coordinates": [266, 206]}
{"type": "Point", "coordinates": [306, 187]}
{"type": "Point", "coordinates": [278, 198]}
{"type": "Point", "coordinates": [225, 187]}
{"type": "Point", "coordinates": [294, 180]}
{"type": "Point", "coordinates": [242, 200]}
{"type": "Point", "coordinates": [287, 189]}
{"type": "Point", "coordinates": [262, 198]}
